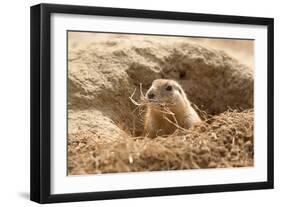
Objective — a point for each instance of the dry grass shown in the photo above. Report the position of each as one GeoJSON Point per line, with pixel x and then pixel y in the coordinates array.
{"type": "Point", "coordinates": [225, 140]}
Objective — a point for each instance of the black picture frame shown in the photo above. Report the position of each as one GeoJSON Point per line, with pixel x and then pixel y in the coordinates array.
{"type": "Point", "coordinates": [41, 99]}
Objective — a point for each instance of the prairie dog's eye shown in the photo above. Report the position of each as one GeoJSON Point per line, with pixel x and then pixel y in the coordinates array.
{"type": "Point", "coordinates": [169, 88]}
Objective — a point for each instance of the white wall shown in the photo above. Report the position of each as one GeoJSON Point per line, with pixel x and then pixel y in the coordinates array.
{"type": "Point", "coordinates": [14, 104]}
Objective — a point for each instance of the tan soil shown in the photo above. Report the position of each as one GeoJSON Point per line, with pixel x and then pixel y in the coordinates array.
{"type": "Point", "coordinates": [104, 70]}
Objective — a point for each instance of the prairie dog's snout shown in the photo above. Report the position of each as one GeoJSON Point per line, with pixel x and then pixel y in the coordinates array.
{"type": "Point", "coordinates": [150, 95]}
{"type": "Point", "coordinates": [168, 93]}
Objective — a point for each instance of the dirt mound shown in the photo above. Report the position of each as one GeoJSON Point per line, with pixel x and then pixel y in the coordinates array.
{"type": "Point", "coordinates": [105, 69]}
{"type": "Point", "coordinates": [223, 141]}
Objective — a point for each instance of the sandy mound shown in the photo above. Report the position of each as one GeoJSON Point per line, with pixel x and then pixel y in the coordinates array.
{"type": "Point", "coordinates": [104, 71]}
{"type": "Point", "coordinates": [225, 141]}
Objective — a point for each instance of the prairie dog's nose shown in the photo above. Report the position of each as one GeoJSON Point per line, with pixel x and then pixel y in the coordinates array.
{"type": "Point", "coordinates": [150, 95]}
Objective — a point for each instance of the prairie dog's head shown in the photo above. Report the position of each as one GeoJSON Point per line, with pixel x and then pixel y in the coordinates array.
{"type": "Point", "coordinates": [165, 92]}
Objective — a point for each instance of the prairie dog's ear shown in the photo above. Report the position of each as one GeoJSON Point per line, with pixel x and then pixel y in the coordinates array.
{"type": "Point", "coordinates": [178, 87]}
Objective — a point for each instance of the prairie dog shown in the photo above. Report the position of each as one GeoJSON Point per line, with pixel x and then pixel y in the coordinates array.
{"type": "Point", "coordinates": [169, 94]}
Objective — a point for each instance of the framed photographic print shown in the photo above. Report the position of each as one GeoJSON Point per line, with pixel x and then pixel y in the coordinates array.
{"type": "Point", "coordinates": [133, 103]}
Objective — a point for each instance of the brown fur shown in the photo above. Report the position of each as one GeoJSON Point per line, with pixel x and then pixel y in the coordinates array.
{"type": "Point", "coordinates": [175, 101]}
